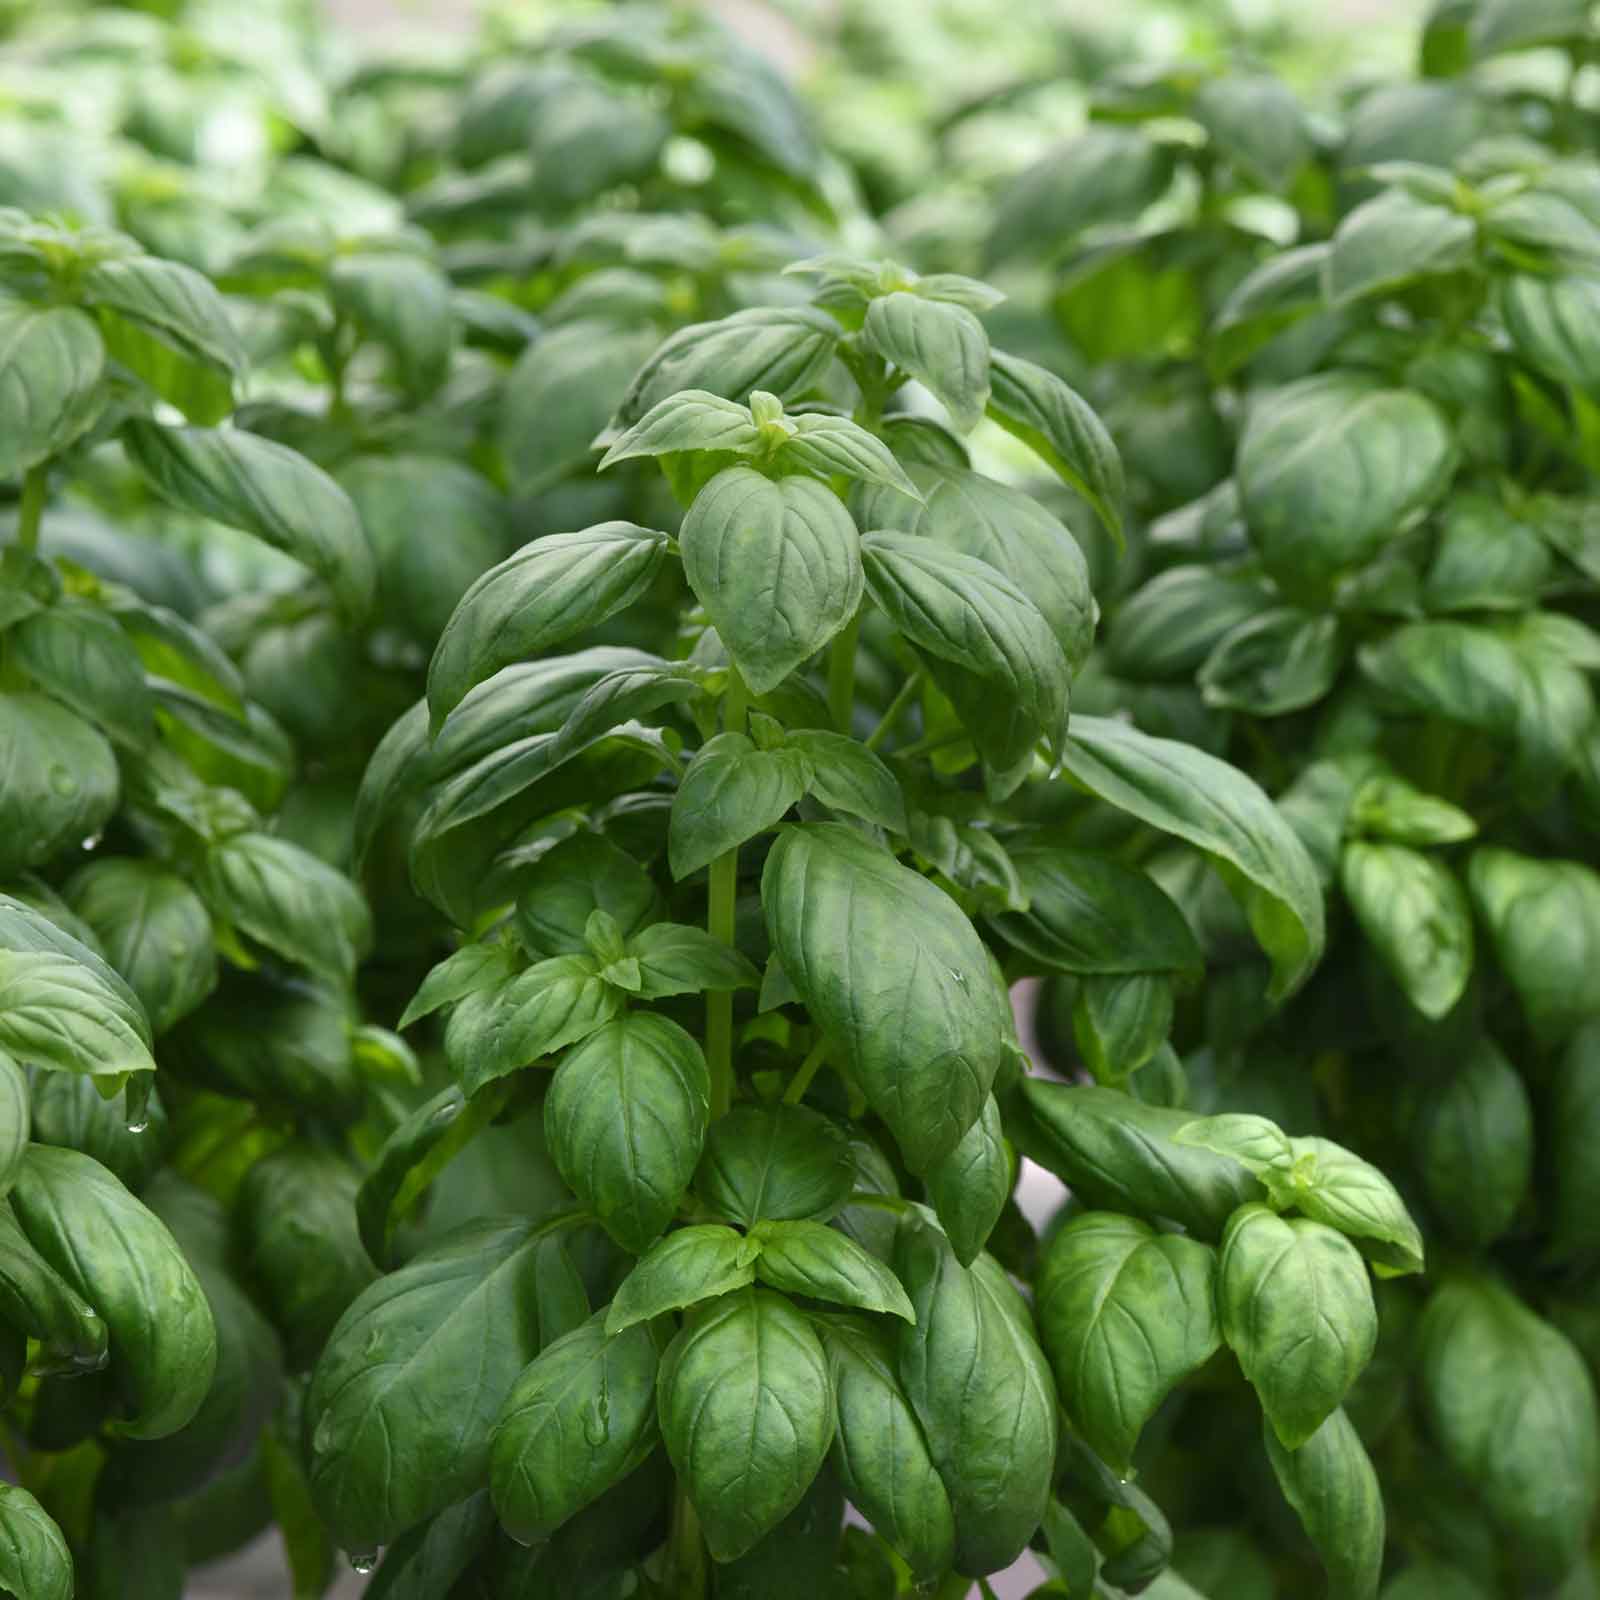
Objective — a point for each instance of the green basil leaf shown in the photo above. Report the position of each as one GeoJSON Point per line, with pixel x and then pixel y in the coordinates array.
{"type": "Point", "coordinates": [781, 349]}
{"type": "Point", "coordinates": [580, 876]}
{"type": "Point", "coordinates": [424, 1357]}
{"type": "Point", "coordinates": [1275, 662]}
{"type": "Point", "coordinates": [1296, 1307]}
{"type": "Point", "coordinates": [675, 958]}
{"type": "Point", "coordinates": [1171, 624]}
{"type": "Point", "coordinates": [546, 592]}
{"type": "Point", "coordinates": [625, 1118]}
{"type": "Point", "coordinates": [1256, 1144]}
{"type": "Point", "coordinates": [976, 516]}
{"type": "Point", "coordinates": [154, 929]}
{"type": "Point", "coordinates": [846, 776]}
{"type": "Point", "coordinates": [837, 447]}
{"type": "Point", "coordinates": [1186, 792]}
{"type": "Point", "coordinates": [1551, 323]}
{"type": "Point", "coordinates": [587, 137]}
{"type": "Point", "coordinates": [428, 1560]}
{"type": "Point", "coordinates": [511, 1024]}
{"type": "Point", "coordinates": [731, 792]}
{"type": "Point", "coordinates": [943, 346]}
{"type": "Point", "coordinates": [51, 394]}
{"type": "Point", "coordinates": [1395, 811]}
{"type": "Point", "coordinates": [963, 611]}
{"type": "Point", "coordinates": [687, 1266]}
{"type": "Point", "coordinates": [38, 1302]}
{"type": "Point", "coordinates": [1499, 25]}
{"type": "Point", "coordinates": [1269, 300]}
{"type": "Point", "coordinates": [969, 1188]}
{"type": "Point", "coordinates": [471, 968]}
{"type": "Point", "coordinates": [120, 1257]}
{"type": "Point", "coordinates": [691, 420]}
{"type": "Point", "coordinates": [982, 1390]}
{"type": "Point", "coordinates": [413, 1156]}
{"type": "Point", "coordinates": [775, 1163]}
{"type": "Point", "coordinates": [1104, 174]}
{"type": "Point", "coordinates": [798, 1559]}
{"type": "Point", "coordinates": [1120, 1020]}
{"type": "Point", "coordinates": [1544, 919]}
{"type": "Point", "coordinates": [1415, 915]}
{"type": "Point", "coordinates": [579, 1419]}
{"type": "Point", "coordinates": [1393, 240]}
{"type": "Point", "coordinates": [1060, 427]}
{"type": "Point", "coordinates": [77, 653]}
{"type": "Point", "coordinates": [561, 393]}
{"type": "Point", "coordinates": [1474, 1145]}
{"type": "Point", "coordinates": [1257, 122]}
{"type": "Point", "coordinates": [404, 303]}
{"type": "Point", "coordinates": [16, 1121]}
{"type": "Point", "coordinates": [35, 1563]}
{"type": "Point", "coordinates": [1486, 560]}
{"type": "Point", "coordinates": [879, 1450]}
{"type": "Point", "coordinates": [1335, 1186]}
{"type": "Point", "coordinates": [1331, 468]}
{"type": "Point", "coordinates": [747, 1412]}
{"type": "Point", "coordinates": [1125, 1315]}
{"type": "Point", "coordinates": [807, 1258]}
{"type": "Point", "coordinates": [896, 977]}
{"type": "Point", "coordinates": [295, 904]}
{"type": "Point", "coordinates": [57, 1012]}
{"type": "Point", "coordinates": [265, 489]}
{"type": "Point", "coordinates": [777, 565]}
{"type": "Point", "coordinates": [168, 324]}
{"type": "Point", "coordinates": [58, 781]}
{"type": "Point", "coordinates": [1330, 1483]}
{"type": "Point", "coordinates": [1575, 1152]}
{"type": "Point", "coordinates": [295, 1221]}
{"type": "Point", "coordinates": [1512, 1407]}
{"type": "Point", "coordinates": [1119, 1153]}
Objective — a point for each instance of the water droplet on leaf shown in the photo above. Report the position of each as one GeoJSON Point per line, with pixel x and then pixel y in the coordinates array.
{"type": "Point", "coordinates": [322, 1439]}
{"type": "Point", "coordinates": [597, 1423]}
{"type": "Point", "coordinates": [364, 1561]}
{"type": "Point", "coordinates": [62, 781]}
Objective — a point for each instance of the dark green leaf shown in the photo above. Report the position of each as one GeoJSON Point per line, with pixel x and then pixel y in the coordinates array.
{"type": "Point", "coordinates": [404, 303]}
{"type": "Point", "coordinates": [58, 781]}
{"type": "Point", "coordinates": [1277, 661]}
{"type": "Point", "coordinates": [775, 1162]}
{"type": "Point", "coordinates": [969, 1188]}
{"type": "Point", "coordinates": [39, 1303]}
{"type": "Point", "coordinates": [35, 1563]}
{"type": "Point", "coordinates": [584, 874]}
{"type": "Point", "coordinates": [675, 958]}
{"type": "Point", "coordinates": [57, 1012]}
{"type": "Point", "coordinates": [807, 1258]}
{"type": "Point", "coordinates": [51, 394]}
{"type": "Point", "coordinates": [687, 1266]}
{"type": "Point", "coordinates": [731, 792]}
{"type": "Point", "coordinates": [1330, 1483]}
{"type": "Point", "coordinates": [1414, 913]}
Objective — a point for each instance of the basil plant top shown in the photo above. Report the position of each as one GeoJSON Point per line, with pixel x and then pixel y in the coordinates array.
{"type": "Point", "coordinates": [738, 923]}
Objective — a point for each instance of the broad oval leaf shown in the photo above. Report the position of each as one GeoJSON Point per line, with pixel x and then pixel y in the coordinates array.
{"type": "Point", "coordinates": [943, 346]}
{"type": "Point", "coordinates": [16, 1121]}
{"type": "Point", "coordinates": [1296, 1307]}
{"type": "Point", "coordinates": [76, 652]}
{"type": "Point", "coordinates": [1512, 1406]}
{"type": "Point", "coordinates": [580, 1418]}
{"type": "Point", "coordinates": [807, 1258]}
{"type": "Point", "coordinates": [879, 1450]}
{"type": "Point", "coordinates": [51, 365]}
{"type": "Point", "coordinates": [122, 1259]}
{"type": "Point", "coordinates": [1184, 791]}
{"type": "Point", "coordinates": [1171, 624]}
{"type": "Point", "coordinates": [625, 1118]}
{"type": "Point", "coordinates": [1392, 240]}
{"type": "Point", "coordinates": [747, 1412]}
{"type": "Point", "coordinates": [1256, 121]}
{"type": "Point", "coordinates": [35, 1563]}
{"type": "Point", "coordinates": [687, 1266]}
{"type": "Point", "coordinates": [59, 782]}
{"type": "Point", "coordinates": [248, 482]}
{"type": "Point", "coordinates": [777, 565]}
{"type": "Point", "coordinates": [1414, 913]}
{"type": "Point", "coordinates": [547, 591]}
{"type": "Point", "coordinates": [897, 978]}
{"type": "Point", "coordinates": [775, 1162]}
{"type": "Point", "coordinates": [1275, 662]}
{"type": "Point", "coordinates": [1335, 1186]}
{"type": "Point", "coordinates": [1331, 468]}
{"type": "Point", "coordinates": [691, 420]}
{"type": "Point", "coordinates": [37, 1302]}
{"type": "Point", "coordinates": [968, 1189]}
{"type": "Point", "coordinates": [731, 792]}
{"type": "Point", "coordinates": [403, 302]}
{"type": "Point", "coordinates": [1330, 1483]}
{"type": "Point", "coordinates": [424, 1357]}
{"type": "Point", "coordinates": [982, 1390]}
{"type": "Point", "coordinates": [1125, 1314]}
{"type": "Point", "coordinates": [57, 1012]}
{"type": "Point", "coordinates": [1552, 322]}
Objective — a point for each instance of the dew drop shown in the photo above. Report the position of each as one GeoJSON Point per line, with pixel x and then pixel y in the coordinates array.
{"type": "Point", "coordinates": [374, 1342]}
{"type": "Point", "coordinates": [89, 841]}
{"type": "Point", "coordinates": [597, 1423]}
{"type": "Point", "coordinates": [322, 1439]}
{"type": "Point", "coordinates": [62, 781]}
{"type": "Point", "coordinates": [364, 1561]}
{"type": "Point", "coordinates": [958, 977]}
{"type": "Point", "coordinates": [138, 1125]}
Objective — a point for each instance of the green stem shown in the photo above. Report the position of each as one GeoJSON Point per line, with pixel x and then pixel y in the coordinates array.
{"type": "Point", "coordinates": [930, 742]}
{"type": "Point", "coordinates": [842, 674]}
{"type": "Point", "coordinates": [907, 693]}
{"type": "Point", "coordinates": [686, 1557]}
{"type": "Point", "coordinates": [720, 924]}
{"type": "Point", "coordinates": [34, 488]}
{"type": "Point", "coordinates": [801, 1081]}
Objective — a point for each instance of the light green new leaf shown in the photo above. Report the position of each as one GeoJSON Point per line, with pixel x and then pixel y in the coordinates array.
{"type": "Point", "coordinates": [1415, 915]}
{"type": "Point", "coordinates": [677, 958]}
{"type": "Point", "coordinates": [731, 792]}
{"type": "Point", "coordinates": [51, 364]}
{"type": "Point", "coordinates": [549, 590]}
{"type": "Point", "coordinates": [581, 1417]}
{"type": "Point", "coordinates": [56, 1012]}
{"type": "Point", "coordinates": [1512, 1406]}
{"type": "Point", "coordinates": [1395, 811]}
{"type": "Point", "coordinates": [943, 346]}
{"type": "Point", "coordinates": [1330, 1483]}
{"type": "Point", "coordinates": [625, 1118]}
{"type": "Point", "coordinates": [266, 489]}
{"type": "Point", "coordinates": [692, 420]}
{"type": "Point", "coordinates": [1184, 791]}
{"type": "Point", "coordinates": [1392, 240]}
{"type": "Point", "coordinates": [808, 1258]}
{"type": "Point", "coordinates": [1335, 1186]}
{"type": "Point", "coordinates": [895, 975]}
{"type": "Point", "coordinates": [687, 1266]}
{"type": "Point", "coordinates": [777, 565]}
{"type": "Point", "coordinates": [836, 446]}
{"type": "Point", "coordinates": [1125, 1314]}
{"type": "Point", "coordinates": [1296, 1306]}
{"type": "Point", "coordinates": [1059, 425]}
{"type": "Point", "coordinates": [846, 776]}
{"type": "Point", "coordinates": [35, 1563]}
{"type": "Point", "coordinates": [747, 1412]}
